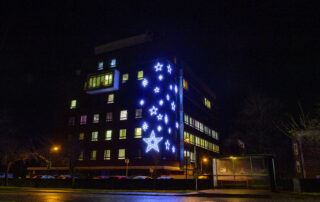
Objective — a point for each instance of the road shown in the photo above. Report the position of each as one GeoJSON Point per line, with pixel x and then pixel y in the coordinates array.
{"type": "Point", "coordinates": [52, 196]}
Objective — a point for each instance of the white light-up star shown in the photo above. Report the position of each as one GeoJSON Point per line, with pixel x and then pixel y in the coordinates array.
{"type": "Point", "coordinates": [166, 119]}
{"type": "Point", "coordinates": [160, 102]}
{"type": "Point", "coordinates": [168, 97]}
{"type": "Point", "coordinates": [156, 90]}
{"type": "Point", "coordinates": [153, 111]}
{"type": "Point", "coordinates": [177, 125]}
{"type": "Point", "coordinates": [175, 88]}
{"type": "Point", "coordinates": [144, 82]}
{"type": "Point", "coordinates": [169, 69]}
{"type": "Point", "coordinates": [158, 67]}
{"type": "Point", "coordinates": [145, 126]}
{"type": "Point", "coordinates": [159, 128]}
{"type": "Point", "coordinates": [169, 130]}
{"type": "Point", "coordinates": [152, 142]}
{"type": "Point", "coordinates": [167, 145]}
{"type": "Point", "coordinates": [173, 149]}
{"type": "Point", "coordinates": [173, 106]}
{"type": "Point", "coordinates": [159, 117]}
{"type": "Point", "coordinates": [170, 87]}
{"type": "Point", "coordinates": [141, 102]}
{"type": "Point", "coordinates": [160, 77]}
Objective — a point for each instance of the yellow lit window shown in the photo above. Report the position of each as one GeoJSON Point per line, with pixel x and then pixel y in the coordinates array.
{"type": "Point", "coordinates": [207, 103]}
{"type": "Point", "coordinates": [108, 135]}
{"type": "Point", "coordinates": [138, 133]}
{"type": "Point", "coordinates": [94, 136]}
{"type": "Point", "coordinates": [107, 155]}
{"type": "Point", "coordinates": [123, 115]}
{"type": "Point", "coordinates": [95, 118]}
{"type": "Point", "coordinates": [122, 154]}
{"type": "Point", "coordinates": [80, 156]}
{"type": "Point", "coordinates": [73, 104]}
{"type": "Point", "coordinates": [123, 134]}
{"type": "Point", "coordinates": [108, 79]}
{"type": "Point", "coordinates": [93, 155]}
{"type": "Point", "coordinates": [110, 98]}
{"type": "Point", "coordinates": [185, 84]}
{"type": "Point", "coordinates": [81, 136]}
{"type": "Point", "coordinates": [140, 75]}
{"type": "Point", "coordinates": [125, 78]}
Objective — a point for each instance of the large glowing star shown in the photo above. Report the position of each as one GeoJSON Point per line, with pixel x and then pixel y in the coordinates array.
{"type": "Point", "coordinates": [152, 142]}
{"type": "Point", "coordinates": [144, 82]}
{"type": "Point", "coordinates": [158, 67]}
{"type": "Point", "coordinates": [167, 145]}
{"type": "Point", "coordinates": [156, 90]}
{"type": "Point", "coordinates": [169, 69]}
{"type": "Point", "coordinates": [153, 111]}
{"type": "Point", "coordinates": [145, 126]}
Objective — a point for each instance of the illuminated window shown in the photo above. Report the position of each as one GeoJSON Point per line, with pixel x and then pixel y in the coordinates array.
{"type": "Point", "coordinates": [100, 65]}
{"type": "Point", "coordinates": [94, 136]}
{"type": "Point", "coordinates": [185, 84]}
{"type": "Point", "coordinates": [140, 75]}
{"type": "Point", "coordinates": [109, 117]}
{"type": "Point", "coordinates": [191, 121]}
{"type": "Point", "coordinates": [138, 113]}
{"type": "Point", "coordinates": [191, 139]}
{"type": "Point", "coordinates": [73, 104]}
{"type": "Point", "coordinates": [110, 98]}
{"type": "Point", "coordinates": [186, 119]}
{"type": "Point", "coordinates": [125, 78]}
{"type": "Point", "coordinates": [197, 141]}
{"type": "Point", "coordinates": [123, 115]}
{"type": "Point", "coordinates": [71, 121]}
{"type": "Point", "coordinates": [108, 79]}
{"type": "Point", "coordinates": [123, 134]}
{"type": "Point", "coordinates": [83, 119]}
{"type": "Point", "coordinates": [298, 167]}
{"type": "Point", "coordinates": [113, 63]}
{"type": "Point", "coordinates": [81, 136]}
{"type": "Point", "coordinates": [107, 155]}
{"type": "Point", "coordinates": [80, 156]}
{"type": "Point", "coordinates": [196, 124]}
{"type": "Point", "coordinates": [138, 133]}
{"type": "Point", "coordinates": [207, 103]}
{"type": "Point", "coordinates": [108, 135]}
{"type": "Point", "coordinates": [96, 118]}
{"type": "Point", "coordinates": [93, 155]}
{"type": "Point", "coordinates": [201, 126]}
{"type": "Point", "coordinates": [122, 154]}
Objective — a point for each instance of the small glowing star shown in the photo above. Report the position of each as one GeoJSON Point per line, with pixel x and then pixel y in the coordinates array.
{"type": "Point", "coordinates": [144, 82]}
{"type": "Point", "coordinates": [145, 126]}
{"type": "Point", "coordinates": [175, 88]}
{"type": "Point", "coordinates": [159, 128]}
{"type": "Point", "coordinates": [165, 119]}
{"type": "Point", "coordinates": [169, 69]}
{"type": "Point", "coordinates": [159, 117]}
{"type": "Point", "coordinates": [153, 111]}
{"type": "Point", "coordinates": [177, 125]}
{"type": "Point", "coordinates": [160, 102]}
{"type": "Point", "coordinates": [158, 67]}
{"type": "Point", "coordinates": [168, 97]}
{"type": "Point", "coordinates": [173, 149]}
{"type": "Point", "coordinates": [141, 102]}
{"type": "Point", "coordinates": [167, 145]}
{"type": "Point", "coordinates": [173, 106]}
{"type": "Point", "coordinates": [160, 77]}
{"type": "Point", "coordinates": [169, 130]}
{"type": "Point", "coordinates": [156, 90]}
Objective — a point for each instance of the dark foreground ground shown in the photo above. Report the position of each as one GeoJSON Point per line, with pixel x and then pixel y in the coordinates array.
{"type": "Point", "coordinates": [53, 195]}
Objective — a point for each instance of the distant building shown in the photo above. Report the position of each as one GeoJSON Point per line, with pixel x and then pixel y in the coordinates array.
{"type": "Point", "coordinates": [142, 103]}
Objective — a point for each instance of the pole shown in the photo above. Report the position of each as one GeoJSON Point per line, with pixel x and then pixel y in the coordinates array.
{"type": "Point", "coordinates": [127, 162]}
{"type": "Point", "coordinates": [195, 168]}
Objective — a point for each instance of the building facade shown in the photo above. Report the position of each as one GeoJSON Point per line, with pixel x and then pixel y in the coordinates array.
{"type": "Point", "coordinates": [141, 109]}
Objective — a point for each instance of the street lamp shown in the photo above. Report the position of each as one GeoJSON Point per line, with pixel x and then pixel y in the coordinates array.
{"type": "Point", "coordinates": [55, 148]}
{"type": "Point", "coordinates": [203, 160]}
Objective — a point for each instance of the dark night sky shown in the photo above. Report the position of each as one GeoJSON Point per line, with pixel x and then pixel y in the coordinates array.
{"type": "Point", "coordinates": [239, 47]}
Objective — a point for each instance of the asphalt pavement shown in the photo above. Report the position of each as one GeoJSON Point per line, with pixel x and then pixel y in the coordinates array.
{"type": "Point", "coordinates": [52, 195]}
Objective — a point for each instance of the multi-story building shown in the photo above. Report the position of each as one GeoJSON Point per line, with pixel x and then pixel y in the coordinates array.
{"type": "Point", "coordinates": [140, 102]}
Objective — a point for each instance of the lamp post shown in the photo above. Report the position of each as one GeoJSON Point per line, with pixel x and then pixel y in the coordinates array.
{"type": "Point", "coordinates": [127, 162]}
